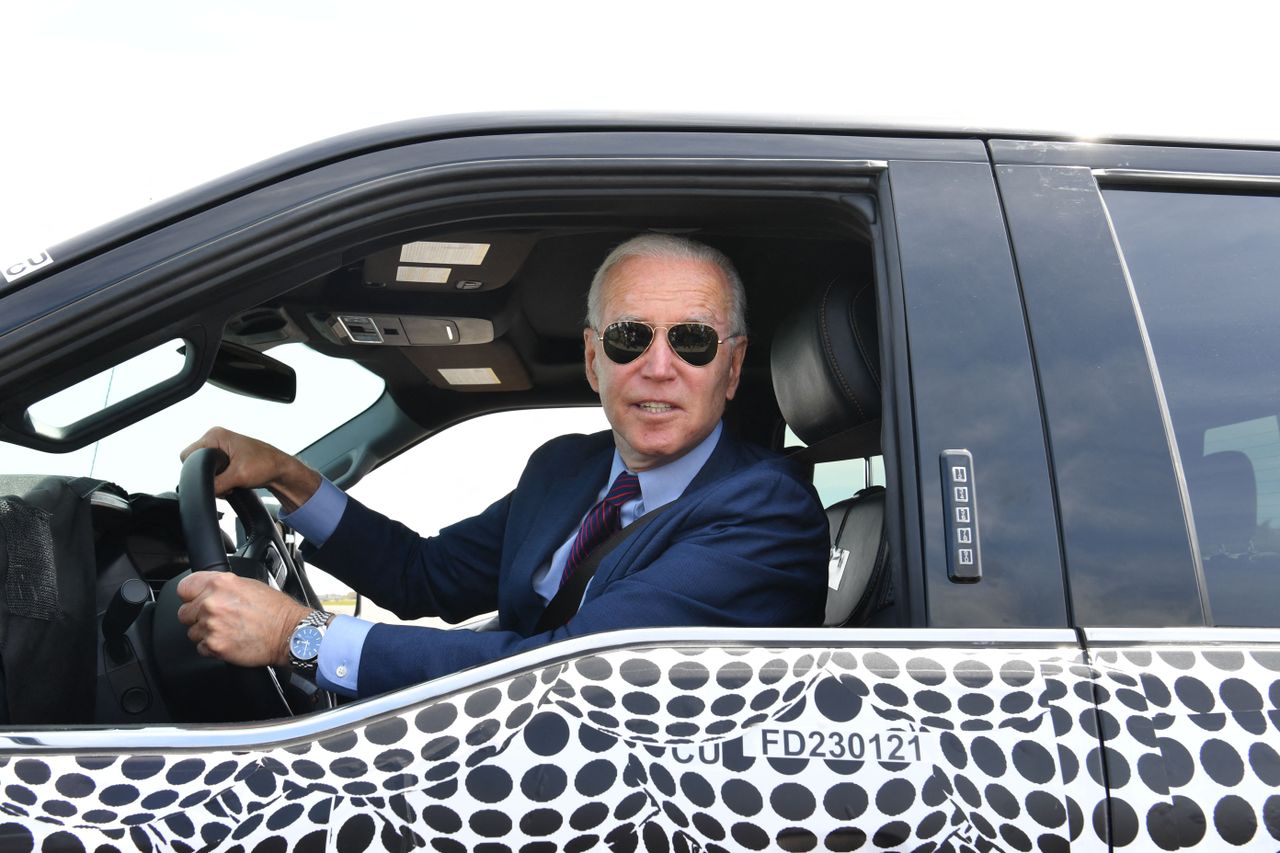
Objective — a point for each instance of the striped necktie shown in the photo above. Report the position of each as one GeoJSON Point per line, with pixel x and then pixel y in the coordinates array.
{"type": "Point", "coordinates": [604, 519]}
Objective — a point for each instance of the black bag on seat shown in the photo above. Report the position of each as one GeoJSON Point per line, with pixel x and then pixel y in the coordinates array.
{"type": "Point", "coordinates": [48, 645]}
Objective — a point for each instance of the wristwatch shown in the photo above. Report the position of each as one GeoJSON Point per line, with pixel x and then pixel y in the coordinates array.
{"type": "Point", "coordinates": [304, 642]}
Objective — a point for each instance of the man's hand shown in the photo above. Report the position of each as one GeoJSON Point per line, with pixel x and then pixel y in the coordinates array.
{"type": "Point", "coordinates": [238, 620]}
{"type": "Point", "coordinates": [255, 464]}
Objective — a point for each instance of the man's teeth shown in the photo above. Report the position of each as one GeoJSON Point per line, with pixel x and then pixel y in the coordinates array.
{"type": "Point", "coordinates": [656, 407]}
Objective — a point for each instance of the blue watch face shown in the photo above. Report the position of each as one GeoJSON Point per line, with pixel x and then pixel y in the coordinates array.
{"type": "Point", "coordinates": [305, 642]}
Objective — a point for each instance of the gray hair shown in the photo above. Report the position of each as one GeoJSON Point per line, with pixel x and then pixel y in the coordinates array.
{"type": "Point", "coordinates": [677, 248]}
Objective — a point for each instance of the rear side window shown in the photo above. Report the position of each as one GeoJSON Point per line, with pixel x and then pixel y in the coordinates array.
{"type": "Point", "coordinates": [1206, 272]}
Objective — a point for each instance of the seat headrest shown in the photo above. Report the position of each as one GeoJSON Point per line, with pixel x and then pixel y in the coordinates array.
{"type": "Point", "coordinates": [1224, 501]}
{"type": "Point", "coordinates": [826, 361]}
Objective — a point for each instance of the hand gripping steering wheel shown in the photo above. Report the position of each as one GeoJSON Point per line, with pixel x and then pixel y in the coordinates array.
{"type": "Point", "coordinates": [205, 689]}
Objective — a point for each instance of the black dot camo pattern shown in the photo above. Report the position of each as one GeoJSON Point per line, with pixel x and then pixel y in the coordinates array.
{"type": "Point", "coordinates": [1192, 747]}
{"type": "Point", "coordinates": [651, 750]}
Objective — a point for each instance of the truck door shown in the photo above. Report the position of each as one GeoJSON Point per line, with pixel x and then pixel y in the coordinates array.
{"type": "Point", "coordinates": [1148, 275]}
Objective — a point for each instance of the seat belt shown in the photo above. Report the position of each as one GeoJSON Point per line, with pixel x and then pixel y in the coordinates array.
{"type": "Point", "coordinates": [568, 598]}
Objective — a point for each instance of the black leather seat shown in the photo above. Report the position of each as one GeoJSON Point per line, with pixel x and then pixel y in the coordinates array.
{"type": "Point", "coordinates": [861, 589]}
{"type": "Point", "coordinates": [826, 376]}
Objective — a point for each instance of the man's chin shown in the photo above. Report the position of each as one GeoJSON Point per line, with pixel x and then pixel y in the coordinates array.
{"type": "Point", "coordinates": [653, 451]}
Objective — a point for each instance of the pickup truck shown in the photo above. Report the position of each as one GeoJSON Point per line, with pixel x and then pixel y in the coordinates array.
{"type": "Point", "coordinates": [1054, 617]}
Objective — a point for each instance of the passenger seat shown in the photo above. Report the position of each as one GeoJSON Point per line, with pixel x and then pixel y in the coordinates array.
{"type": "Point", "coordinates": [825, 364]}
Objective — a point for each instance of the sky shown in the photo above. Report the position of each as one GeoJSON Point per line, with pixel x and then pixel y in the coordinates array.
{"type": "Point", "coordinates": [112, 106]}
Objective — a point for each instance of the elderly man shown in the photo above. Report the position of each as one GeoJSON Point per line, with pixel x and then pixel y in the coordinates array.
{"type": "Point", "coordinates": [741, 540]}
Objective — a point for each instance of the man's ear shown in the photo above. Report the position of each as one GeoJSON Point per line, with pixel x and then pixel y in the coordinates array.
{"type": "Point", "coordinates": [590, 356]}
{"type": "Point", "coordinates": [736, 356]}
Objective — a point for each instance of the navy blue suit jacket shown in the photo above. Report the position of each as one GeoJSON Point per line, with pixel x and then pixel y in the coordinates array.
{"type": "Point", "coordinates": [745, 545]}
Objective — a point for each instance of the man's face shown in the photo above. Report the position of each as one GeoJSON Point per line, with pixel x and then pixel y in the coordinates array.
{"type": "Point", "coordinates": [659, 406]}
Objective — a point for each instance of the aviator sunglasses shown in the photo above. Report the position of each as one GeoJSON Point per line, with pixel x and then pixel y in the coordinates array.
{"type": "Point", "coordinates": [627, 340]}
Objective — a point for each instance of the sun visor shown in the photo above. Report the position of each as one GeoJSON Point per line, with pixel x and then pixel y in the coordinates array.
{"type": "Point", "coordinates": [466, 262]}
{"type": "Point", "coordinates": [484, 367]}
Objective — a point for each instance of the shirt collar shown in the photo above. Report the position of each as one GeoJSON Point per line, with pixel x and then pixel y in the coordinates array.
{"type": "Point", "coordinates": [660, 486]}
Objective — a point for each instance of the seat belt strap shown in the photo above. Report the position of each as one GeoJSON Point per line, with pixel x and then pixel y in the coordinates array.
{"type": "Point", "coordinates": [565, 603]}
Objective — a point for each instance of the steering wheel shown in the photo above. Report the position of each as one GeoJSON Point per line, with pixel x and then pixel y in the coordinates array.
{"type": "Point", "coordinates": [206, 689]}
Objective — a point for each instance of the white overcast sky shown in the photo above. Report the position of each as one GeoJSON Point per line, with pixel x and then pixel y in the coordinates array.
{"type": "Point", "coordinates": [113, 105]}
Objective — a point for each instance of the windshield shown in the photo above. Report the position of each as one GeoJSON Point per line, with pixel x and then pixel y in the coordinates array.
{"type": "Point", "coordinates": [144, 456]}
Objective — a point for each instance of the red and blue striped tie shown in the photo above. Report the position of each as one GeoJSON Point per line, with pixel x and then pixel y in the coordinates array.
{"type": "Point", "coordinates": [604, 519]}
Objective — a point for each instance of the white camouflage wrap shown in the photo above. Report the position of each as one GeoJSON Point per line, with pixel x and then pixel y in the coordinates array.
{"type": "Point", "coordinates": [725, 748]}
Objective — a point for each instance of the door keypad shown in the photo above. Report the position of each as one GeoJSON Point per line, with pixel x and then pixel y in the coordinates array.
{"type": "Point", "coordinates": [960, 505]}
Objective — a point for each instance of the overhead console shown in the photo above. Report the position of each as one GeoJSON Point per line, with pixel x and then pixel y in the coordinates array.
{"type": "Point", "coordinates": [409, 331]}
{"type": "Point", "coordinates": [419, 274]}
{"type": "Point", "coordinates": [411, 300]}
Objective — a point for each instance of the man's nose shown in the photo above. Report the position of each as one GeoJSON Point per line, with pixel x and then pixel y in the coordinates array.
{"type": "Point", "coordinates": [659, 360]}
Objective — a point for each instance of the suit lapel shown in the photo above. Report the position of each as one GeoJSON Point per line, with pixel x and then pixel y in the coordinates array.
{"type": "Point", "coordinates": [570, 494]}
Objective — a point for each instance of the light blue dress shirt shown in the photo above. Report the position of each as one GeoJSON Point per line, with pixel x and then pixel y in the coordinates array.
{"type": "Point", "coordinates": [338, 668]}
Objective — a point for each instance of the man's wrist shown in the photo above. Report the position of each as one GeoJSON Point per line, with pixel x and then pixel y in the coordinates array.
{"type": "Point", "coordinates": [295, 485]}
{"type": "Point", "coordinates": [291, 617]}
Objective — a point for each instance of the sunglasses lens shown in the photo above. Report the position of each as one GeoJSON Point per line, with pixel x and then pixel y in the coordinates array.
{"type": "Point", "coordinates": [694, 342]}
{"type": "Point", "coordinates": [625, 342]}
